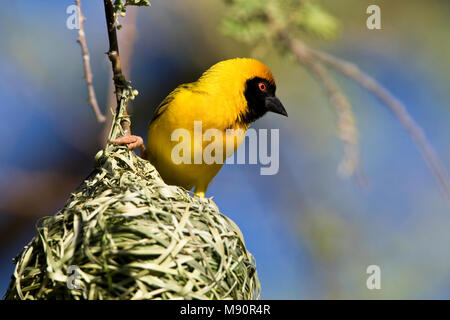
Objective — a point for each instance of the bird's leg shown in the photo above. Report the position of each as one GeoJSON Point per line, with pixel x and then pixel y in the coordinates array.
{"type": "Point", "coordinates": [201, 194]}
{"type": "Point", "coordinates": [132, 142]}
{"type": "Point", "coordinates": [200, 191]}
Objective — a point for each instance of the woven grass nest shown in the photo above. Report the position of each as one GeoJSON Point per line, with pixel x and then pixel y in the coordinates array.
{"type": "Point", "coordinates": [131, 236]}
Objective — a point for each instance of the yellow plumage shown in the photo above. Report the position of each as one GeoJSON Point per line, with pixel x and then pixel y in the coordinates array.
{"type": "Point", "coordinates": [217, 99]}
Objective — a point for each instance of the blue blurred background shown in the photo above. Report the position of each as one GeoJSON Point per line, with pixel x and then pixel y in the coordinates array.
{"type": "Point", "coordinates": [313, 234]}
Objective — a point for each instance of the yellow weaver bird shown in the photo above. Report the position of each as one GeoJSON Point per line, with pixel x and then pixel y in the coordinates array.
{"type": "Point", "coordinates": [230, 95]}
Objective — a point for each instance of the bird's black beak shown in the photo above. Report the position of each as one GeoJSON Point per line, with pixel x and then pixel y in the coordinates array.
{"type": "Point", "coordinates": [274, 104]}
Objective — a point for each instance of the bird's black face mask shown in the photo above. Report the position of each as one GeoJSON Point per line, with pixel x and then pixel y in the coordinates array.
{"type": "Point", "coordinates": [260, 96]}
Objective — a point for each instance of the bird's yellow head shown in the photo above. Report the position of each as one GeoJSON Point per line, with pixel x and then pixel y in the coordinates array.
{"type": "Point", "coordinates": [246, 84]}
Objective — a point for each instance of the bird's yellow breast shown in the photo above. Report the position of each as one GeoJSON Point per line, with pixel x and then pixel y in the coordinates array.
{"type": "Point", "coordinates": [196, 113]}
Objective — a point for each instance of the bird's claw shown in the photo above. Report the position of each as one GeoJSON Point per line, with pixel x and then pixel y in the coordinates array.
{"type": "Point", "coordinates": [131, 141]}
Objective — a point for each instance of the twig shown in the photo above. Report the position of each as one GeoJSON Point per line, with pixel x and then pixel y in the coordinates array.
{"type": "Point", "coordinates": [87, 67]}
{"type": "Point", "coordinates": [113, 55]}
{"type": "Point", "coordinates": [305, 53]}
{"type": "Point", "coordinates": [126, 38]}
{"type": "Point", "coordinates": [350, 166]}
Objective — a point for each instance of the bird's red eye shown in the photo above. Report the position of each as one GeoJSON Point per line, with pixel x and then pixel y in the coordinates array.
{"type": "Point", "coordinates": [262, 86]}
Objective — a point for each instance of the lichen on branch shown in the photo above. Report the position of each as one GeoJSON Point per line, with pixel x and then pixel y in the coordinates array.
{"type": "Point", "coordinates": [121, 5]}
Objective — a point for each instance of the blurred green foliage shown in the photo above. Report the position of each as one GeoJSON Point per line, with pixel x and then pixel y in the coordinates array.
{"type": "Point", "coordinates": [250, 20]}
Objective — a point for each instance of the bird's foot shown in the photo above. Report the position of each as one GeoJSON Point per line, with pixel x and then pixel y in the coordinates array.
{"type": "Point", "coordinates": [132, 142]}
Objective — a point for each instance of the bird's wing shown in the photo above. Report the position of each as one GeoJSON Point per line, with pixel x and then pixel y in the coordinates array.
{"type": "Point", "coordinates": [167, 100]}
